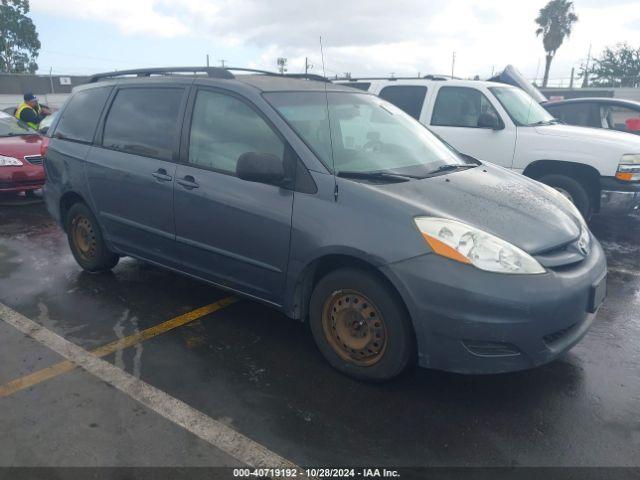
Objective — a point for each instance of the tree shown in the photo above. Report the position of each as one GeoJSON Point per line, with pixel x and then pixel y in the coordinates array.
{"type": "Point", "coordinates": [554, 23]}
{"type": "Point", "coordinates": [617, 67]}
{"type": "Point", "coordinates": [19, 43]}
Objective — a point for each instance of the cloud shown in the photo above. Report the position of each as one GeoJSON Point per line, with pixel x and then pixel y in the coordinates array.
{"type": "Point", "coordinates": [131, 17]}
{"type": "Point", "coordinates": [370, 36]}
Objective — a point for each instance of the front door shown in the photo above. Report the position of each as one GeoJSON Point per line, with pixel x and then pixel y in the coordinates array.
{"type": "Point", "coordinates": [131, 171]}
{"type": "Point", "coordinates": [231, 231]}
{"type": "Point", "coordinates": [455, 117]}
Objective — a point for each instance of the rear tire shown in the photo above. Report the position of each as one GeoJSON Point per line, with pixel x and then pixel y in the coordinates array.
{"type": "Point", "coordinates": [86, 241]}
{"type": "Point", "coordinates": [572, 189]}
{"type": "Point", "coordinates": [360, 326]}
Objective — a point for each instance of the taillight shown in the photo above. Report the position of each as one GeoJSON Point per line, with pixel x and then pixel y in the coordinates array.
{"type": "Point", "coordinates": [44, 145]}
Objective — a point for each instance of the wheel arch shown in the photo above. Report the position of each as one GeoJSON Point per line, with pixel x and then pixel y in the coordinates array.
{"type": "Point", "coordinates": [585, 174]}
{"type": "Point", "coordinates": [67, 200]}
{"type": "Point", "coordinates": [317, 268]}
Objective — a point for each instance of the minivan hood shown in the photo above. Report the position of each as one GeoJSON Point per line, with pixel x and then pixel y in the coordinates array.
{"type": "Point", "coordinates": [621, 140]}
{"type": "Point", "coordinates": [510, 206]}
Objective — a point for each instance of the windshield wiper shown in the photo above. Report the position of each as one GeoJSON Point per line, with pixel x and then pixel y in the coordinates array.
{"type": "Point", "coordinates": [553, 121]}
{"type": "Point", "coordinates": [376, 175]}
{"type": "Point", "coordinates": [16, 134]}
{"type": "Point", "coordinates": [450, 167]}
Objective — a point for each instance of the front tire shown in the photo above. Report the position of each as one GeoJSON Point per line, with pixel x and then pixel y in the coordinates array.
{"type": "Point", "coordinates": [86, 241]}
{"type": "Point", "coordinates": [360, 326]}
{"type": "Point", "coordinates": [573, 190]}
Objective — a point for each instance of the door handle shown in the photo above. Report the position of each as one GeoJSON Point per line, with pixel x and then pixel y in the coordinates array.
{"type": "Point", "coordinates": [188, 182]}
{"type": "Point", "coordinates": [161, 174]}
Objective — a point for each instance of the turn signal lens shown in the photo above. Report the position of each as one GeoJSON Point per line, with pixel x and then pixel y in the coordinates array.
{"type": "Point", "coordinates": [466, 244]}
{"type": "Point", "coordinates": [629, 168]}
{"type": "Point", "coordinates": [44, 145]}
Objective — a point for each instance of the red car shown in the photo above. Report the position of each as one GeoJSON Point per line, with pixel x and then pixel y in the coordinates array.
{"type": "Point", "coordinates": [21, 168]}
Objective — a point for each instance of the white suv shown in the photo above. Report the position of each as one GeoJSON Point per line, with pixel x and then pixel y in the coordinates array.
{"type": "Point", "coordinates": [599, 170]}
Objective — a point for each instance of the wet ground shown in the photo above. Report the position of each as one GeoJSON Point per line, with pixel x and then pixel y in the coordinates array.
{"type": "Point", "coordinates": [252, 369]}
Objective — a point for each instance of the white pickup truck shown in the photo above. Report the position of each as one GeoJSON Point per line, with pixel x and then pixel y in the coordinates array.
{"type": "Point", "coordinates": [599, 170]}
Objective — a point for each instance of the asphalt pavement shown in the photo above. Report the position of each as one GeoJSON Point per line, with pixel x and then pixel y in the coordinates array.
{"type": "Point", "coordinates": [250, 370]}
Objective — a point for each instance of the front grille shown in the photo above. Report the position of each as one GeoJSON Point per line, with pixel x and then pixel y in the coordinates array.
{"type": "Point", "coordinates": [34, 159]}
{"type": "Point", "coordinates": [491, 349]}
{"type": "Point", "coordinates": [555, 337]}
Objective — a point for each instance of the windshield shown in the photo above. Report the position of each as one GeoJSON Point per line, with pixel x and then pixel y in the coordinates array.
{"type": "Point", "coordinates": [522, 109]}
{"type": "Point", "coordinates": [367, 133]}
{"type": "Point", "coordinates": [11, 126]}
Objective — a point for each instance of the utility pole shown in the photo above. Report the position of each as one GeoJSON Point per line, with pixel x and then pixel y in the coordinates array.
{"type": "Point", "coordinates": [207, 60]}
{"type": "Point", "coordinates": [585, 76]}
{"type": "Point", "coordinates": [222, 63]}
{"type": "Point", "coordinates": [51, 78]}
{"type": "Point", "coordinates": [307, 65]}
{"type": "Point", "coordinates": [453, 63]}
{"type": "Point", "coordinates": [571, 80]}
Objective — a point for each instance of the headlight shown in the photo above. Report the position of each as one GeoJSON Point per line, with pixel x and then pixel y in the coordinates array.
{"type": "Point", "coordinates": [9, 161]}
{"type": "Point", "coordinates": [466, 244]}
{"type": "Point", "coordinates": [629, 167]}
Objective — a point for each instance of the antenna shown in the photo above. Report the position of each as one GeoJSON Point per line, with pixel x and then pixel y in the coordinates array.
{"type": "Point", "coordinates": [326, 97]}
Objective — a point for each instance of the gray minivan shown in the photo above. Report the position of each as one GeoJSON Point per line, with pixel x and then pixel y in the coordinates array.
{"type": "Point", "coordinates": [331, 205]}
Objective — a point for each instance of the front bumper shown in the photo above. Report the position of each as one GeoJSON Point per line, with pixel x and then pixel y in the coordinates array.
{"type": "Point", "coordinates": [21, 178]}
{"type": "Point", "coordinates": [475, 322]}
{"type": "Point", "coordinates": [618, 198]}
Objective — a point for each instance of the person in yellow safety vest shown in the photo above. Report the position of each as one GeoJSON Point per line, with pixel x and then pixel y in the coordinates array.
{"type": "Point", "coordinates": [30, 112]}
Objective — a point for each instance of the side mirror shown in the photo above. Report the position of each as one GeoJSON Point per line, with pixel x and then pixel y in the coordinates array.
{"type": "Point", "coordinates": [489, 120]}
{"type": "Point", "coordinates": [43, 130]}
{"type": "Point", "coordinates": [261, 168]}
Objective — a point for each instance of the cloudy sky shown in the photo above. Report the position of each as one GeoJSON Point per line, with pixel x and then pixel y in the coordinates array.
{"type": "Point", "coordinates": [373, 37]}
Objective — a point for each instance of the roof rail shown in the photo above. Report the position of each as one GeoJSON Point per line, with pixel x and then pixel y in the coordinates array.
{"type": "Point", "coordinates": [213, 72]}
{"type": "Point", "coordinates": [424, 77]}
{"type": "Point", "coordinates": [147, 72]}
{"type": "Point", "coordinates": [308, 76]}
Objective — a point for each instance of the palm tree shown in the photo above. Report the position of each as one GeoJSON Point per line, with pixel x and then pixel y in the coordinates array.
{"type": "Point", "coordinates": [555, 21]}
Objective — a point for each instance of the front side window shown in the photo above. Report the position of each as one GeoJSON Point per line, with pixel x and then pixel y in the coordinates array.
{"type": "Point", "coordinates": [223, 128]}
{"type": "Point", "coordinates": [409, 98]}
{"type": "Point", "coordinates": [460, 107]}
{"type": "Point", "coordinates": [362, 133]}
{"type": "Point", "coordinates": [620, 118]}
{"type": "Point", "coordinates": [144, 121]}
{"type": "Point", "coordinates": [80, 117]}
{"type": "Point", "coordinates": [575, 114]}
{"type": "Point", "coordinates": [521, 107]}
{"type": "Point", "coordinates": [10, 126]}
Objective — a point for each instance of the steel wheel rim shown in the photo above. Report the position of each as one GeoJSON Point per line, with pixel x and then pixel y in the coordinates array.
{"type": "Point", "coordinates": [84, 237]}
{"type": "Point", "coordinates": [354, 327]}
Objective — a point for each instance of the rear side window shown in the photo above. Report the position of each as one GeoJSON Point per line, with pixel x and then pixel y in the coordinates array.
{"type": "Point", "coordinates": [144, 121]}
{"type": "Point", "coordinates": [406, 97]}
{"type": "Point", "coordinates": [80, 117]}
{"type": "Point", "coordinates": [460, 107]}
{"type": "Point", "coordinates": [621, 118]}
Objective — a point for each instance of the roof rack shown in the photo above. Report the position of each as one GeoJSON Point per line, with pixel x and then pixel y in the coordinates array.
{"type": "Point", "coordinates": [212, 72]}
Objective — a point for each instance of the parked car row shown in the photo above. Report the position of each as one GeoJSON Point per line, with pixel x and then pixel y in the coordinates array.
{"type": "Point", "coordinates": [598, 170]}
{"type": "Point", "coordinates": [340, 209]}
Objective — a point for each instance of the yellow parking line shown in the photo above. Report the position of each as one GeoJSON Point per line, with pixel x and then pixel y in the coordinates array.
{"type": "Point", "coordinates": [66, 366]}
